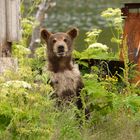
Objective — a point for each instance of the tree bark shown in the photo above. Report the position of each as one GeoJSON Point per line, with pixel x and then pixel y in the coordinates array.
{"type": "Point", "coordinates": [5, 49]}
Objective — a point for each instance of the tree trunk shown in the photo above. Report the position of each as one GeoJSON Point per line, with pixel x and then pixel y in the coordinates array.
{"type": "Point", "coordinates": [41, 16]}
{"type": "Point", "coordinates": [5, 49]}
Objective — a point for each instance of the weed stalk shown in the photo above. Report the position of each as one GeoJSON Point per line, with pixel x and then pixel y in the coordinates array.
{"type": "Point", "coordinates": [126, 67]}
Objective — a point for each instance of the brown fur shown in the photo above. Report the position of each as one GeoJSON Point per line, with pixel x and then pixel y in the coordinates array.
{"type": "Point", "coordinates": [64, 75]}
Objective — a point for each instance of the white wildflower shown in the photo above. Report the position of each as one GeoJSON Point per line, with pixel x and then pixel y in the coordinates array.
{"type": "Point", "coordinates": [94, 32]}
{"type": "Point", "coordinates": [99, 46]}
{"type": "Point", "coordinates": [110, 12]}
{"type": "Point", "coordinates": [113, 16]}
{"type": "Point", "coordinates": [17, 84]}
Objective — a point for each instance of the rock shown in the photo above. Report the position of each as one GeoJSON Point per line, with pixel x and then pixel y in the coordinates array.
{"type": "Point", "coordinates": [8, 63]}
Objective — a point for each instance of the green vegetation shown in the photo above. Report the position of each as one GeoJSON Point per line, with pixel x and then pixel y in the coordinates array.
{"type": "Point", "coordinates": [27, 111]}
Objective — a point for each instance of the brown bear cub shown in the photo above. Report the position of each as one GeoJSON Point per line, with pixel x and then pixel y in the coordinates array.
{"type": "Point", "coordinates": [64, 75]}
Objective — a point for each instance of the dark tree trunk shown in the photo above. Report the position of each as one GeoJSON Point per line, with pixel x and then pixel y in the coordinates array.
{"type": "Point", "coordinates": [5, 49]}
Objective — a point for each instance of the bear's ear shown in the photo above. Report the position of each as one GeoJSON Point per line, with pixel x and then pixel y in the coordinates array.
{"type": "Point", "coordinates": [73, 33]}
{"type": "Point", "coordinates": [45, 34]}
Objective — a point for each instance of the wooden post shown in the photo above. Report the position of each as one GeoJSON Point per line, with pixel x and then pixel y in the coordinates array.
{"type": "Point", "coordinates": [9, 25]}
{"type": "Point", "coordinates": [2, 25]}
{"type": "Point", "coordinates": [12, 20]}
{"type": "Point", "coordinates": [9, 31]}
{"type": "Point", "coordinates": [132, 36]}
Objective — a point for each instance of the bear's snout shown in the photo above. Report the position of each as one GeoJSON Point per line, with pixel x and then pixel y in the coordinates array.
{"type": "Point", "coordinates": [60, 48]}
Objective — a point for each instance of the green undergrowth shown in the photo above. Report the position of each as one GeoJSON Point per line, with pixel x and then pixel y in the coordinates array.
{"type": "Point", "coordinates": [27, 110]}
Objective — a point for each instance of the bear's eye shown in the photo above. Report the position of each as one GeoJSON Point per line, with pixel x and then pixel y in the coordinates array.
{"type": "Point", "coordinates": [54, 40]}
{"type": "Point", "coordinates": [65, 40]}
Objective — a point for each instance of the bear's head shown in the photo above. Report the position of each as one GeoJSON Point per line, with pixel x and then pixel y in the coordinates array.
{"type": "Point", "coordinates": [59, 44]}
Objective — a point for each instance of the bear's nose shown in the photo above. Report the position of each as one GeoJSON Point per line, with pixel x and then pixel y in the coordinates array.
{"type": "Point", "coordinates": [60, 48]}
